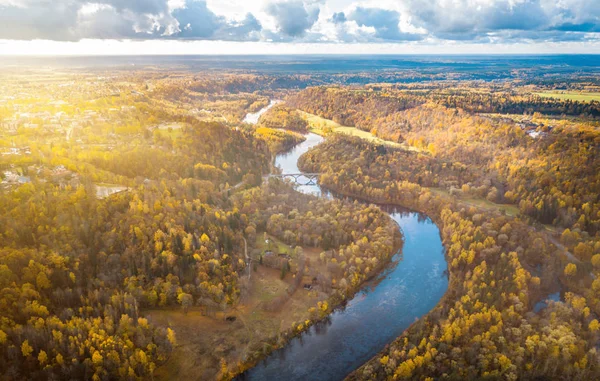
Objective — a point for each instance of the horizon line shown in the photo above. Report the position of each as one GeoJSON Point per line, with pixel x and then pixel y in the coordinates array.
{"type": "Point", "coordinates": [46, 48]}
{"type": "Point", "coordinates": [298, 54]}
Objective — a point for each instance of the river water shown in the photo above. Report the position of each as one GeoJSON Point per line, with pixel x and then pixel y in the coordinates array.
{"type": "Point", "coordinates": [253, 118]}
{"type": "Point", "coordinates": [350, 336]}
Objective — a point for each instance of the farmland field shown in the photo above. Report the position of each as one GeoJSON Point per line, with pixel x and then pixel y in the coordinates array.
{"type": "Point", "coordinates": [580, 97]}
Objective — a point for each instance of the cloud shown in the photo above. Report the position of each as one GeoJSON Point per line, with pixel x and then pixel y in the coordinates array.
{"type": "Point", "coordinates": [196, 21]}
{"type": "Point", "coordinates": [479, 19]}
{"type": "Point", "coordinates": [338, 18]}
{"type": "Point", "coordinates": [44, 19]}
{"type": "Point", "coordinates": [138, 6]}
{"type": "Point", "coordinates": [293, 18]}
{"type": "Point", "coordinates": [73, 20]}
{"type": "Point", "coordinates": [577, 16]}
{"type": "Point", "coordinates": [384, 22]}
{"type": "Point", "coordinates": [351, 21]}
{"type": "Point", "coordinates": [247, 29]}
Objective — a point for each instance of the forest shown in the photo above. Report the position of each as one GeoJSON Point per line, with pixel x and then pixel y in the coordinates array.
{"type": "Point", "coordinates": [553, 179]}
{"type": "Point", "coordinates": [484, 329]}
{"type": "Point", "coordinates": [78, 270]}
{"type": "Point", "coordinates": [86, 276]}
{"type": "Point", "coordinates": [500, 264]}
{"type": "Point", "coordinates": [142, 235]}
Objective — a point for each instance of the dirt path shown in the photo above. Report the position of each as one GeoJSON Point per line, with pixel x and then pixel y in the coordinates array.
{"type": "Point", "coordinates": [569, 255]}
{"type": "Point", "coordinates": [248, 259]}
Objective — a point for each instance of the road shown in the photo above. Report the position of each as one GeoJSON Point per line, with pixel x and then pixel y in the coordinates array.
{"type": "Point", "coordinates": [248, 259]}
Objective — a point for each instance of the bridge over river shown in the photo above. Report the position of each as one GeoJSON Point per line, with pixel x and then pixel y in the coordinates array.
{"type": "Point", "coordinates": [300, 178]}
{"type": "Point", "coordinates": [409, 288]}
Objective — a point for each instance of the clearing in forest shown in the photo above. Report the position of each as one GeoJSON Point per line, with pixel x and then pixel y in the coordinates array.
{"type": "Point", "coordinates": [322, 126]}
{"type": "Point", "coordinates": [580, 97]}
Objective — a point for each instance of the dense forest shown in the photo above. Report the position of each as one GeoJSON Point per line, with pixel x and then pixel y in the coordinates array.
{"type": "Point", "coordinates": [77, 270]}
{"type": "Point", "coordinates": [144, 209]}
{"type": "Point", "coordinates": [283, 117]}
{"type": "Point", "coordinates": [142, 237]}
{"type": "Point", "coordinates": [368, 108]}
{"type": "Point", "coordinates": [553, 179]}
{"type": "Point", "coordinates": [484, 327]}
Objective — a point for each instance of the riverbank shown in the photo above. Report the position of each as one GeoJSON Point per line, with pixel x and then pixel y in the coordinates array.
{"type": "Point", "coordinates": [355, 335]}
{"type": "Point", "coordinates": [500, 267]}
{"type": "Point", "coordinates": [274, 305]}
{"type": "Point", "coordinates": [344, 331]}
{"type": "Point", "coordinates": [253, 118]}
{"type": "Point", "coordinates": [310, 326]}
{"type": "Point", "coordinates": [323, 127]}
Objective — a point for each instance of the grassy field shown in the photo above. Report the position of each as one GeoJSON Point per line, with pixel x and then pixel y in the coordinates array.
{"type": "Point", "coordinates": [510, 209]}
{"type": "Point", "coordinates": [581, 97]}
{"type": "Point", "coordinates": [318, 125]}
{"type": "Point", "coordinates": [203, 341]}
{"type": "Point", "coordinates": [274, 245]}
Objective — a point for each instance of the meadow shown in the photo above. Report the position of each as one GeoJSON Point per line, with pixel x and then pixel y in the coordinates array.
{"type": "Point", "coordinates": [572, 96]}
{"type": "Point", "coordinates": [322, 126]}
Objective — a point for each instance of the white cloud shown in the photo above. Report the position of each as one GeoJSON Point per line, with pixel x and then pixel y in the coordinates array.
{"type": "Point", "coordinates": [303, 21]}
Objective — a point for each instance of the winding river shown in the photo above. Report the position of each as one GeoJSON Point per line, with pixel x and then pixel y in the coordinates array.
{"type": "Point", "coordinates": [253, 118]}
{"type": "Point", "coordinates": [411, 286]}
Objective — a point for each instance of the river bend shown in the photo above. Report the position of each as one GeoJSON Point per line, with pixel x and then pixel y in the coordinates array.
{"type": "Point", "coordinates": [411, 286]}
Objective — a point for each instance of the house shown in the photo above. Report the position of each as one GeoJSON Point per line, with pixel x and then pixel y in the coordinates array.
{"type": "Point", "coordinates": [11, 177]}
{"type": "Point", "coordinates": [59, 170]}
{"type": "Point", "coordinates": [12, 151]}
{"type": "Point", "coordinates": [10, 125]}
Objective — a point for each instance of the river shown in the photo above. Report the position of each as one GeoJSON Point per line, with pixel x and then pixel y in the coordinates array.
{"type": "Point", "coordinates": [253, 118]}
{"type": "Point", "coordinates": [411, 286]}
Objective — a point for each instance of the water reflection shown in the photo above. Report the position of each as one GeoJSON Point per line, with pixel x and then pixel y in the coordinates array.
{"type": "Point", "coordinates": [554, 297]}
{"type": "Point", "coordinates": [253, 118]}
{"type": "Point", "coordinates": [288, 163]}
{"type": "Point", "coordinates": [379, 313]}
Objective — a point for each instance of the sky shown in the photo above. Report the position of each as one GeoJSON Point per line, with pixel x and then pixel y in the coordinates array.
{"type": "Point", "coordinates": [84, 27]}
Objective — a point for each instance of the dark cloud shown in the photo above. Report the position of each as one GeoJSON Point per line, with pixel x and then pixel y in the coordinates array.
{"type": "Point", "coordinates": [527, 15]}
{"type": "Point", "coordinates": [293, 18]}
{"type": "Point", "coordinates": [246, 30]}
{"type": "Point", "coordinates": [338, 18]}
{"type": "Point", "coordinates": [461, 20]}
{"type": "Point", "coordinates": [588, 27]}
{"type": "Point", "coordinates": [385, 23]}
{"type": "Point", "coordinates": [42, 20]}
{"type": "Point", "coordinates": [106, 23]}
{"type": "Point", "coordinates": [530, 19]}
{"type": "Point", "coordinates": [197, 21]}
